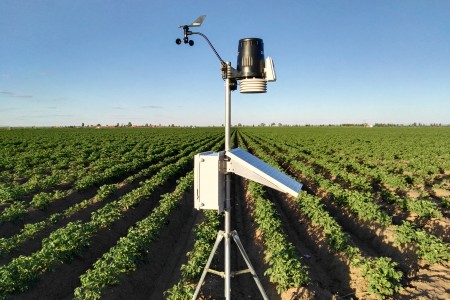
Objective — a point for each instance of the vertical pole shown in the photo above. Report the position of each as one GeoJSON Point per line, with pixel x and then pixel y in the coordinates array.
{"type": "Point", "coordinates": [227, 112]}
{"type": "Point", "coordinates": [227, 190]}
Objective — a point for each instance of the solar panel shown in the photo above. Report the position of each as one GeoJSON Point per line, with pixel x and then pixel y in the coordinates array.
{"type": "Point", "coordinates": [251, 167]}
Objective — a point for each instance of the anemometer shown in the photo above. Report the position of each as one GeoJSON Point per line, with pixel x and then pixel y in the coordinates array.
{"type": "Point", "coordinates": [213, 170]}
{"type": "Point", "coordinates": [196, 23]}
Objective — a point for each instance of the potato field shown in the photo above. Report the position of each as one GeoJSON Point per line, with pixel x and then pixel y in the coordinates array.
{"type": "Point", "coordinates": [108, 213]}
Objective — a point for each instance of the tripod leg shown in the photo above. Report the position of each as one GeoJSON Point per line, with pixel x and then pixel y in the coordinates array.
{"type": "Point", "coordinates": [219, 238]}
{"type": "Point", "coordinates": [249, 264]}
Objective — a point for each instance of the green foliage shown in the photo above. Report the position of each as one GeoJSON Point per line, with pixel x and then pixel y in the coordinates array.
{"type": "Point", "coordinates": [286, 269]}
{"type": "Point", "coordinates": [445, 202]}
{"type": "Point", "coordinates": [423, 208]}
{"type": "Point", "coordinates": [340, 241]}
{"type": "Point", "coordinates": [41, 200]}
{"type": "Point", "coordinates": [124, 257]}
{"type": "Point", "coordinates": [382, 277]}
{"type": "Point", "coordinates": [362, 170]}
{"type": "Point", "coordinates": [180, 291]}
{"type": "Point", "coordinates": [6, 194]}
{"type": "Point", "coordinates": [314, 209]}
{"type": "Point", "coordinates": [14, 212]}
{"type": "Point", "coordinates": [19, 274]}
{"type": "Point", "coordinates": [63, 244]}
{"type": "Point", "coordinates": [205, 235]}
{"type": "Point", "coordinates": [429, 247]}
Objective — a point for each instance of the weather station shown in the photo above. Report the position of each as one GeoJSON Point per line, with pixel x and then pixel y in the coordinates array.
{"type": "Point", "coordinates": [213, 170]}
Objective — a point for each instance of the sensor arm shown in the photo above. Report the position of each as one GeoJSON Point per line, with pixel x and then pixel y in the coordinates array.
{"type": "Point", "coordinates": [210, 45]}
{"type": "Point", "coordinates": [187, 32]}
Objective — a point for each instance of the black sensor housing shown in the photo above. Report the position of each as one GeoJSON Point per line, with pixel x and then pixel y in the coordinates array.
{"type": "Point", "coordinates": [250, 61]}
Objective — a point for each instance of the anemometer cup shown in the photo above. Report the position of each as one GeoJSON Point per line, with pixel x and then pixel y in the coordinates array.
{"type": "Point", "coordinates": [186, 41]}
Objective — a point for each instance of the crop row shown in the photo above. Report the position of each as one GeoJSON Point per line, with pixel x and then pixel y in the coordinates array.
{"type": "Point", "coordinates": [286, 269]}
{"type": "Point", "coordinates": [432, 248]}
{"type": "Point", "coordinates": [17, 210]}
{"type": "Point", "coordinates": [24, 153]}
{"type": "Point", "coordinates": [62, 244]}
{"type": "Point", "coordinates": [398, 159]}
{"type": "Point", "coordinates": [364, 180]}
{"type": "Point", "coordinates": [125, 255]}
{"type": "Point", "coordinates": [380, 273]}
{"type": "Point", "coordinates": [360, 203]}
{"type": "Point", "coordinates": [65, 242]}
{"type": "Point", "coordinates": [95, 172]}
{"type": "Point", "coordinates": [205, 235]}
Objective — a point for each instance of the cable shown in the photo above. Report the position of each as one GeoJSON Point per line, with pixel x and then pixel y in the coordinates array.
{"type": "Point", "coordinates": [212, 47]}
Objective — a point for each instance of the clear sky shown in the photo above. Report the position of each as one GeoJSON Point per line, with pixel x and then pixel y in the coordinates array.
{"type": "Point", "coordinates": [65, 62]}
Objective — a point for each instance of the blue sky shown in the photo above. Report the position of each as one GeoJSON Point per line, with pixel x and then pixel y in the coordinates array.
{"type": "Point", "coordinates": [351, 61]}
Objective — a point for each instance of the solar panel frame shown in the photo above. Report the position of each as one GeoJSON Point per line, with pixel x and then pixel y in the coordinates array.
{"type": "Point", "coordinates": [247, 165]}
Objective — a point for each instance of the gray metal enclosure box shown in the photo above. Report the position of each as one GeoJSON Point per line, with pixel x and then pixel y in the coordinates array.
{"type": "Point", "coordinates": [209, 181]}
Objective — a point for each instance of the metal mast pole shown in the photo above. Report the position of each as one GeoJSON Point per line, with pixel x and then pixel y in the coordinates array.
{"type": "Point", "coordinates": [227, 111]}
{"type": "Point", "coordinates": [227, 234]}
{"type": "Point", "coordinates": [227, 189]}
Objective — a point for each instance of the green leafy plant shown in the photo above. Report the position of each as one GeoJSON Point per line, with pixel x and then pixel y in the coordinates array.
{"type": "Point", "coordinates": [285, 267]}
{"type": "Point", "coordinates": [14, 212]}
